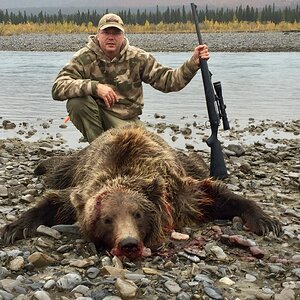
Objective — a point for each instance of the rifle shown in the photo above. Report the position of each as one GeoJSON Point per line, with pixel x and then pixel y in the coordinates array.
{"type": "Point", "coordinates": [216, 111]}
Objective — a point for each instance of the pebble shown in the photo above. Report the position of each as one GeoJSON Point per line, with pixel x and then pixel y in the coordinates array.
{"type": "Point", "coordinates": [179, 236]}
{"type": "Point", "coordinates": [48, 231]}
{"type": "Point", "coordinates": [238, 150]}
{"type": "Point", "coordinates": [39, 259]}
{"type": "Point", "coordinates": [69, 281]}
{"type": "Point", "coordinates": [49, 284]}
{"type": "Point", "coordinates": [66, 228]}
{"type": "Point", "coordinates": [250, 278]}
{"type": "Point", "coordinates": [218, 252]}
{"type": "Point", "coordinates": [9, 284]}
{"type": "Point", "coordinates": [82, 289]}
{"type": "Point", "coordinates": [17, 263]}
{"type": "Point", "coordinates": [183, 296]}
{"type": "Point", "coordinates": [202, 278]}
{"type": "Point", "coordinates": [92, 272]}
{"type": "Point", "coordinates": [5, 295]}
{"type": "Point", "coordinates": [226, 281]}
{"type": "Point", "coordinates": [172, 286]}
{"type": "Point", "coordinates": [42, 295]}
{"type": "Point", "coordinates": [82, 263]}
{"type": "Point", "coordinates": [110, 270]}
{"type": "Point", "coordinates": [257, 252]}
{"type": "Point", "coordinates": [3, 272]}
{"type": "Point", "coordinates": [126, 288]}
{"type": "Point", "coordinates": [285, 294]}
{"type": "Point", "coordinates": [3, 191]}
{"type": "Point", "coordinates": [212, 292]}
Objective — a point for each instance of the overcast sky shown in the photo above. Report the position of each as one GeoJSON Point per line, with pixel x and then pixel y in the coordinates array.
{"type": "Point", "coordinates": [136, 3]}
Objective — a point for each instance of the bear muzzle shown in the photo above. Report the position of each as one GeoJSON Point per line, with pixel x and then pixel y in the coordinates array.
{"type": "Point", "coordinates": [129, 247]}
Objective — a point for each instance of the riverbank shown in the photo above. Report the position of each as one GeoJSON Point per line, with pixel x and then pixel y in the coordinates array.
{"type": "Point", "coordinates": [228, 41]}
{"type": "Point", "coordinates": [204, 267]}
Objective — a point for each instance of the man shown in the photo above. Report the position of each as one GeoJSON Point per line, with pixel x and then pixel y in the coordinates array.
{"type": "Point", "coordinates": [103, 80]}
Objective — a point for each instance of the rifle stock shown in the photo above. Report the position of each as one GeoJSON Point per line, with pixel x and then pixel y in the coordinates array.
{"type": "Point", "coordinates": [217, 163]}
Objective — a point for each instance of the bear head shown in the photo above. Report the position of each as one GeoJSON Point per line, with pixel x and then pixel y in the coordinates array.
{"type": "Point", "coordinates": [122, 219]}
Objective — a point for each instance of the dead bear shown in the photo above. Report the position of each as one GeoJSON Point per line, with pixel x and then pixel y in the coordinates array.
{"type": "Point", "coordinates": [129, 189]}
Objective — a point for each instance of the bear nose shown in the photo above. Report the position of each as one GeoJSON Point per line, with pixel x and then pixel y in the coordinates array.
{"type": "Point", "coordinates": [129, 244]}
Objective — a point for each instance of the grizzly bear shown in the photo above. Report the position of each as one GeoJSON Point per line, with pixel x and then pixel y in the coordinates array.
{"type": "Point", "coordinates": [128, 190]}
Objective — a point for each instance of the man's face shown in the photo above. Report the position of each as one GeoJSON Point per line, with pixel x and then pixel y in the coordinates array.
{"type": "Point", "coordinates": [110, 40]}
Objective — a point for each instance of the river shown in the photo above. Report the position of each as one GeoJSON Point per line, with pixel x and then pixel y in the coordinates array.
{"type": "Point", "coordinates": [259, 85]}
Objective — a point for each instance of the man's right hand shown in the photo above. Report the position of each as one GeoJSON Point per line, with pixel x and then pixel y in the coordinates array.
{"type": "Point", "coordinates": [107, 94]}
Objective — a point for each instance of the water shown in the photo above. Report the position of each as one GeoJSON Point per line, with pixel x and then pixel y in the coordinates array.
{"type": "Point", "coordinates": [255, 85]}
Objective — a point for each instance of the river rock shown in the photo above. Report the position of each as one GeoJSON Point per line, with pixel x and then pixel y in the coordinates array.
{"type": "Point", "coordinates": [41, 295]}
{"type": "Point", "coordinates": [69, 281]}
{"type": "Point", "coordinates": [3, 191]}
{"type": "Point", "coordinates": [48, 231]}
{"type": "Point", "coordinates": [126, 288]}
{"type": "Point", "coordinates": [17, 263]}
{"type": "Point", "coordinates": [172, 286]}
{"type": "Point", "coordinates": [39, 259]}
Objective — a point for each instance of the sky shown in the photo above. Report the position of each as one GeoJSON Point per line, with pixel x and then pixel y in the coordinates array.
{"type": "Point", "coordinates": [137, 3]}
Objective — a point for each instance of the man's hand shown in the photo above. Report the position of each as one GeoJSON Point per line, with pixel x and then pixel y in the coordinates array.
{"type": "Point", "coordinates": [200, 52]}
{"type": "Point", "coordinates": [107, 94]}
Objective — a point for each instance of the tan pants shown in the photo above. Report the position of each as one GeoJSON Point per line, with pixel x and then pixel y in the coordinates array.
{"type": "Point", "coordinates": [91, 120]}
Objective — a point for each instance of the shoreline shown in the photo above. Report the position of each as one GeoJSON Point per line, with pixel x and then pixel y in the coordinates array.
{"type": "Point", "coordinates": [166, 42]}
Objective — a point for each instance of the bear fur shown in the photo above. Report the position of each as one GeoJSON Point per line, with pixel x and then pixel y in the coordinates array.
{"type": "Point", "coordinates": [129, 189]}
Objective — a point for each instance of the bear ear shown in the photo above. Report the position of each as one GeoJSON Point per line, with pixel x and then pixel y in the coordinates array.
{"type": "Point", "coordinates": [77, 200]}
{"type": "Point", "coordinates": [155, 190]}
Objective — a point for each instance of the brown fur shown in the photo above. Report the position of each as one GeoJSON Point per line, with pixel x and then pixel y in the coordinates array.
{"type": "Point", "coordinates": [129, 188]}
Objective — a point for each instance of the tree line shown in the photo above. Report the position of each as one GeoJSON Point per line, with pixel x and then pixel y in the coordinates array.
{"type": "Point", "coordinates": [269, 13]}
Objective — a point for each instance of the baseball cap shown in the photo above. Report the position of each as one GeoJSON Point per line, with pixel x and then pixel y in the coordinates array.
{"type": "Point", "coordinates": [111, 20]}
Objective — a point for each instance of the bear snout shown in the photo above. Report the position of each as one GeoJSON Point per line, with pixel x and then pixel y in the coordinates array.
{"type": "Point", "coordinates": [129, 247]}
{"type": "Point", "coordinates": [129, 244]}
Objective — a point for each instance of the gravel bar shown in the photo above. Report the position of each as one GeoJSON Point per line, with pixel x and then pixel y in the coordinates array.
{"type": "Point", "coordinates": [220, 260]}
{"type": "Point", "coordinates": [181, 42]}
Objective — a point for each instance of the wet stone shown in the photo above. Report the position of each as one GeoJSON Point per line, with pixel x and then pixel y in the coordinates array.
{"type": "Point", "coordinates": [126, 288]}
{"type": "Point", "coordinates": [92, 272]}
{"type": "Point", "coordinates": [41, 295]}
{"type": "Point", "coordinates": [49, 284]}
{"type": "Point", "coordinates": [212, 291]}
{"type": "Point", "coordinates": [172, 286]}
{"type": "Point", "coordinates": [66, 228]}
{"type": "Point", "coordinates": [3, 272]}
{"type": "Point", "coordinates": [48, 231]}
{"type": "Point", "coordinates": [3, 191]}
{"type": "Point", "coordinates": [5, 295]}
{"type": "Point", "coordinates": [183, 296]}
{"type": "Point", "coordinates": [39, 259]}
{"type": "Point", "coordinates": [250, 278]}
{"type": "Point", "coordinates": [237, 149]}
{"type": "Point", "coordinates": [82, 289]}
{"type": "Point", "coordinates": [69, 281]}
{"type": "Point", "coordinates": [17, 263]}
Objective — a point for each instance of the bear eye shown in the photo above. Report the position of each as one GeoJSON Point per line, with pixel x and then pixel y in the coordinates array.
{"type": "Point", "coordinates": [138, 215]}
{"type": "Point", "coordinates": [107, 221]}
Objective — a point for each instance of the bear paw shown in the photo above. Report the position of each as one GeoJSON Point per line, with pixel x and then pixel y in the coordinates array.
{"type": "Point", "coordinates": [262, 224]}
{"type": "Point", "coordinates": [15, 231]}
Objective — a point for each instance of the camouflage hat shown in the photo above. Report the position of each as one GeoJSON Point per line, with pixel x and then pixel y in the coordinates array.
{"type": "Point", "coordinates": [111, 20]}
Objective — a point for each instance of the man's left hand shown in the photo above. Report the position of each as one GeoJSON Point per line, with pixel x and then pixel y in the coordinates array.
{"type": "Point", "coordinates": [200, 52]}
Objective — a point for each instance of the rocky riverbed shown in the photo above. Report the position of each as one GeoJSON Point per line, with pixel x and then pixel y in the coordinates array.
{"type": "Point", "coordinates": [219, 260]}
{"type": "Point", "coordinates": [228, 41]}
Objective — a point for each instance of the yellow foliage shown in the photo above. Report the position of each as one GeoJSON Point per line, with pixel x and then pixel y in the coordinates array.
{"type": "Point", "coordinates": [206, 26]}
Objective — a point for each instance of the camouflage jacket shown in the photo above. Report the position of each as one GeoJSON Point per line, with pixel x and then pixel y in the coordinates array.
{"type": "Point", "coordinates": [124, 74]}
